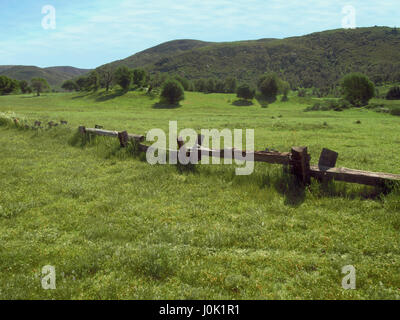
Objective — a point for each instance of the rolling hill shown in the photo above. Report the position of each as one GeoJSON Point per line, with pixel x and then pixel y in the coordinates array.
{"type": "Point", "coordinates": [54, 75]}
{"type": "Point", "coordinates": [318, 59]}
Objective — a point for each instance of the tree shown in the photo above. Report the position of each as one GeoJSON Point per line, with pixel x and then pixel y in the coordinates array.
{"type": "Point", "coordinates": [81, 83]}
{"type": "Point", "coordinates": [92, 81]}
{"type": "Point", "coordinates": [138, 77]}
{"type": "Point", "coordinates": [184, 82]}
{"type": "Point", "coordinates": [24, 86]}
{"type": "Point", "coordinates": [106, 77]}
{"type": "Point", "coordinates": [39, 85]}
{"type": "Point", "coordinates": [123, 77]}
{"type": "Point", "coordinates": [284, 89]}
{"type": "Point", "coordinates": [210, 85]}
{"type": "Point", "coordinates": [230, 85]}
{"type": "Point", "coordinates": [393, 94]}
{"type": "Point", "coordinates": [245, 92]}
{"type": "Point", "coordinates": [220, 86]}
{"type": "Point", "coordinates": [69, 85]}
{"type": "Point", "coordinates": [269, 85]}
{"type": "Point", "coordinates": [357, 89]}
{"type": "Point", "coordinates": [200, 85]}
{"type": "Point", "coordinates": [172, 92]}
{"type": "Point", "coordinates": [8, 85]}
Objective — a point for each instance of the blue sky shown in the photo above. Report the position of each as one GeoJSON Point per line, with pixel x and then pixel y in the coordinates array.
{"type": "Point", "coordinates": [89, 33]}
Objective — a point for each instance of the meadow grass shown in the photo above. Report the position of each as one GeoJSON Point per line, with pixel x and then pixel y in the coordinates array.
{"type": "Point", "coordinates": [116, 227]}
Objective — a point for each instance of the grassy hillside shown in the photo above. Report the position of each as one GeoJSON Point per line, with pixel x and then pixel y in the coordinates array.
{"type": "Point", "coordinates": [116, 227]}
{"type": "Point", "coordinates": [54, 75]}
{"type": "Point", "coordinates": [319, 59]}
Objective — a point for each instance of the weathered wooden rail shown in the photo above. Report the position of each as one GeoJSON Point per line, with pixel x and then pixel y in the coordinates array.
{"type": "Point", "coordinates": [298, 159]}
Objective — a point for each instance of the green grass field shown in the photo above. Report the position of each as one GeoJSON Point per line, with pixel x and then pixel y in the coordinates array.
{"type": "Point", "coordinates": [116, 227]}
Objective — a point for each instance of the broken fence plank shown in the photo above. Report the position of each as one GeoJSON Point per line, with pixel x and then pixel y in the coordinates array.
{"type": "Point", "coordinates": [300, 162]}
{"type": "Point", "coordinates": [108, 133]}
{"type": "Point", "coordinates": [353, 176]}
{"type": "Point", "coordinates": [328, 158]}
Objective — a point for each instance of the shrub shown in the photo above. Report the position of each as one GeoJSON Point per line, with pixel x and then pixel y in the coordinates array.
{"type": "Point", "coordinates": [269, 85]}
{"type": "Point", "coordinates": [8, 85]}
{"type": "Point", "coordinates": [393, 94]}
{"type": "Point", "coordinates": [357, 89]}
{"type": "Point", "coordinates": [395, 111]}
{"type": "Point", "coordinates": [69, 85]}
{"type": "Point", "coordinates": [230, 85]}
{"type": "Point", "coordinates": [245, 92]}
{"type": "Point", "coordinates": [39, 85]}
{"type": "Point", "coordinates": [123, 77]}
{"type": "Point", "coordinates": [172, 92]}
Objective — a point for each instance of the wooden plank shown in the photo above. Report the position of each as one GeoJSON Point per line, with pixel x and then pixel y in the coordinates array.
{"type": "Point", "coordinates": [82, 130]}
{"type": "Point", "coordinates": [353, 176]}
{"type": "Point", "coordinates": [300, 162]}
{"type": "Point", "coordinates": [108, 133]}
{"type": "Point", "coordinates": [259, 156]}
{"type": "Point", "coordinates": [328, 158]}
{"type": "Point", "coordinates": [123, 138]}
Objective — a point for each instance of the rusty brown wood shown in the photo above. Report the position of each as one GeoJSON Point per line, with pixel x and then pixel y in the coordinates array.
{"type": "Point", "coordinates": [353, 176]}
{"type": "Point", "coordinates": [300, 163]}
{"type": "Point", "coordinates": [109, 133]}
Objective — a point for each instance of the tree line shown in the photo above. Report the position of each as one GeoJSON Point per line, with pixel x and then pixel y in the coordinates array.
{"type": "Point", "coordinates": [12, 86]}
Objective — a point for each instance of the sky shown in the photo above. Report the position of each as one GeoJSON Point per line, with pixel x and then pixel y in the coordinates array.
{"type": "Point", "coordinates": [89, 33]}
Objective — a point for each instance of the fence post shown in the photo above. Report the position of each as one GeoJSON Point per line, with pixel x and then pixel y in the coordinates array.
{"type": "Point", "coordinates": [82, 130]}
{"type": "Point", "coordinates": [300, 163]}
{"type": "Point", "coordinates": [123, 138]}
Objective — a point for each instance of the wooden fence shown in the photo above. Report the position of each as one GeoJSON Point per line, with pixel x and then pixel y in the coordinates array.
{"type": "Point", "coordinates": [298, 159]}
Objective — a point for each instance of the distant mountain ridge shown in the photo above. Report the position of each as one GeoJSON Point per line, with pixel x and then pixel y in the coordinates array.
{"type": "Point", "coordinates": [54, 75]}
{"type": "Point", "coordinates": [319, 59]}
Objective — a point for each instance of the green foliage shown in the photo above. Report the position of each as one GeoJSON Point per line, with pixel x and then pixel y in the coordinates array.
{"type": "Point", "coordinates": [210, 86]}
{"type": "Point", "coordinates": [8, 85]}
{"type": "Point", "coordinates": [39, 85]}
{"type": "Point", "coordinates": [69, 85]}
{"type": "Point", "coordinates": [123, 77]}
{"type": "Point", "coordinates": [139, 77]}
{"type": "Point", "coordinates": [245, 92]}
{"type": "Point", "coordinates": [315, 60]}
{"type": "Point", "coordinates": [92, 81]}
{"type": "Point", "coordinates": [395, 111]}
{"type": "Point", "coordinates": [81, 83]}
{"type": "Point", "coordinates": [268, 85]}
{"type": "Point", "coordinates": [200, 85]}
{"type": "Point", "coordinates": [106, 76]}
{"type": "Point", "coordinates": [172, 92]}
{"type": "Point", "coordinates": [393, 93]}
{"type": "Point", "coordinates": [184, 82]}
{"type": "Point", "coordinates": [357, 89]}
{"type": "Point", "coordinates": [230, 85]}
{"type": "Point", "coordinates": [24, 86]}
{"type": "Point", "coordinates": [327, 105]}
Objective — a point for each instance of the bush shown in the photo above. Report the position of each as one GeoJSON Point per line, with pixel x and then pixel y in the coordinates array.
{"type": "Point", "coordinates": [172, 92]}
{"type": "Point", "coordinates": [69, 85]}
{"type": "Point", "coordinates": [327, 105]}
{"type": "Point", "coordinates": [123, 77]}
{"type": "Point", "coordinates": [395, 112]}
{"type": "Point", "coordinates": [8, 85]}
{"type": "Point", "coordinates": [39, 85]}
{"type": "Point", "coordinates": [357, 89]}
{"type": "Point", "coordinates": [269, 85]}
{"type": "Point", "coordinates": [245, 92]}
{"type": "Point", "coordinates": [393, 94]}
